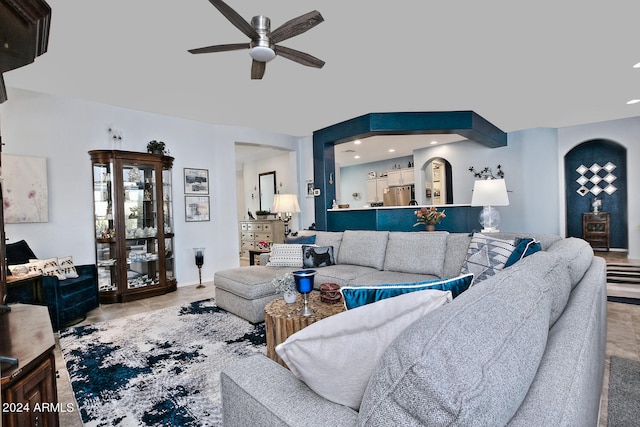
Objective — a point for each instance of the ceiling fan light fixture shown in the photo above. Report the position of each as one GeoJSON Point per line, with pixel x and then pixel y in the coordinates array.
{"type": "Point", "coordinates": [262, 53]}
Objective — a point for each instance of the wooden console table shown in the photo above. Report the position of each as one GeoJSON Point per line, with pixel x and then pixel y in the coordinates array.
{"type": "Point", "coordinates": [29, 394]}
{"type": "Point", "coordinates": [282, 320]}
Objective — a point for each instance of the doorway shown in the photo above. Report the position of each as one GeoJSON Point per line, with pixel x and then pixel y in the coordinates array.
{"type": "Point", "coordinates": [596, 171]}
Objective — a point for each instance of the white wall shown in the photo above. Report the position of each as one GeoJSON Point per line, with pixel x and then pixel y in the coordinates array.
{"type": "Point", "coordinates": [63, 130]}
{"type": "Point", "coordinates": [625, 132]}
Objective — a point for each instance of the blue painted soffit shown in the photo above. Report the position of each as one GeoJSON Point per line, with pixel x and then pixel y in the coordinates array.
{"type": "Point", "coordinates": [465, 123]}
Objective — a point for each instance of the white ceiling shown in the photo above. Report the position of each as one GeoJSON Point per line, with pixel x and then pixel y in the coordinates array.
{"type": "Point", "coordinates": [518, 64]}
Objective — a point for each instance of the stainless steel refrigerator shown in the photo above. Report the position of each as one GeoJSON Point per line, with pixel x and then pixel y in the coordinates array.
{"type": "Point", "coordinates": [398, 196]}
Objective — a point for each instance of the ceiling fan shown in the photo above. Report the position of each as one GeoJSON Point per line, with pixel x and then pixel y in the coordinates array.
{"type": "Point", "coordinates": [263, 46]}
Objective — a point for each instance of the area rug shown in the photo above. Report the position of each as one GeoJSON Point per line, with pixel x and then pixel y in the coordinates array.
{"type": "Point", "coordinates": [623, 283]}
{"type": "Point", "coordinates": [624, 393]}
{"type": "Point", "coordinates": [160, 368]}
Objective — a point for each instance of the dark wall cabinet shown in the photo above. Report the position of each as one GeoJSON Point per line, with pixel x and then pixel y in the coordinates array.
{"type": "Point", "coordinates": [595, 230]}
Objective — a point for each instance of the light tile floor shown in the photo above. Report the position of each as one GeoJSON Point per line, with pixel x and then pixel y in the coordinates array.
{"type": "Point", "coordinates": [623, 333]}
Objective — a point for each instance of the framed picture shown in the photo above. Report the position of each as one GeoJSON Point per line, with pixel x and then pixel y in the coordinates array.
{"type": "Point", "coordinates": [310, 188]}
{"type": "Point", "coordinates": [196, 208]}
{"type": "Point", "coordinates": [196, 181]}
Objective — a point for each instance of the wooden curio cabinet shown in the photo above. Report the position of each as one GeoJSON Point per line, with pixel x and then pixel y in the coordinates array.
{"type": "Point", "coordinates": [133, 213]}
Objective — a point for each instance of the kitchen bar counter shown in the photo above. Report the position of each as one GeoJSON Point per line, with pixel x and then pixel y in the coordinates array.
{"type": "Point", "coordinates": [460, 218]}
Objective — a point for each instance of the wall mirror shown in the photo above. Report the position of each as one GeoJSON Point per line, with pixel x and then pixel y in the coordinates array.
{"type": "Point", "coordinates": [267, 188]}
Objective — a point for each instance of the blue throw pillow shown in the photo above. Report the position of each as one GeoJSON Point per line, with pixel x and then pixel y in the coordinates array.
{"type": "Point", "coordinates": [356, 296]}
{"type": "Point", "coordinates": [302, 240]}
{"type": "Point", "coordinates": [524, 247]}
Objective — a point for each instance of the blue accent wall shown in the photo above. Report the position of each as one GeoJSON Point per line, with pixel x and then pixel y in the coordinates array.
{"type": "Point", "coordinates": [598, 151]}
{"type": "Point", "coordinates": [460, 219]}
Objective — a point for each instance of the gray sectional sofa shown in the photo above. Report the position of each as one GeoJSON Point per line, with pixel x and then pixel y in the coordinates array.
{"type": "Point", "coordinates": [525, 347]}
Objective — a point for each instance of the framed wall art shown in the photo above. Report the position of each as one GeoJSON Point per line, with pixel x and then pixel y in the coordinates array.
{"type": "Point", "coordinates": [310, 188]}
{"type": "Point", "coordinates": [196, 208]}
{"type": "Point", "coordinates": [24, 190]}
{"type": "Point", "coordinates": [196, 181]}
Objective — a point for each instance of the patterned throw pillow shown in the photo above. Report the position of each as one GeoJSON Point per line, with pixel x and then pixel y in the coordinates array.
{"type": "Point", "coordinates": [68, 269]}
{"type": "Point", "coordinates": [316, 256]}
{"type": "Point", "coordinates": [285, 255]}
{"type": "Point", "coordinates": [486, 255]}
{"type": "Point", "coordinates": [49, 267]}
{"type": "Point", "coordinates": [24, 269]}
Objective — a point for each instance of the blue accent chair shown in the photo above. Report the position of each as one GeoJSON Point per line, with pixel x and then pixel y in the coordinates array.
{"type": "Point", "coordinates": [68, 300]}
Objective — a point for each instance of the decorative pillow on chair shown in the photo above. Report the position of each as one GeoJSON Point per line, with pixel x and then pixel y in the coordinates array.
{"type": "Point", "coordinates": [316, 256]}
{"type": "Point", "coordinates": [24, 269]}
{"type": "Point", "coordinates": [486, 255]}
{"type": "Point", "coordinates": [356, 296]}
{"type": "Point", "coordinates": [285, 255]}
{"type": "Point", "coordinates": [336, 355]}
{"type": "Point", "coordinates": [49, 267]}
{"type": "Point", "coordinates": [67, 267]}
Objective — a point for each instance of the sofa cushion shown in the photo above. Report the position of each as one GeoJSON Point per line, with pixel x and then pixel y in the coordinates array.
{"type": "Point", "coordinates": [18, 253]}
{"type": "Point", "coordinates": [578, 255]}
{"type": "Point", "coordinates": [486, 255]}
{"type": "Point", "coordinates": [481, 351]}
{"type": "Point", "coordinates": [356, 296]}
{"type": "Point", "coordinates": [421, 253]}
{"type": "Point", "coordinates": [67, 266]}
{"type": "Point", "coordinates": [330, 238]}
{"type": "Point", "coordinates": [363, 247]}
{"type": "Point", "coordinates": [336, 355]}
{"type": "Point", "coordinates": [343, 274]}
{"type": "Point", "coordinates": [317, 256]}
{"type": "Point", "coordinates": [285, 255]}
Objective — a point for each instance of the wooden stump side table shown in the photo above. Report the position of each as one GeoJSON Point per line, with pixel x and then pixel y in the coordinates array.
{"type": "Point", "coordinates": [282, 320]}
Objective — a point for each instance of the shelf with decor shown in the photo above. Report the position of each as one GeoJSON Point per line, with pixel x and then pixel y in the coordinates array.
{"type": "Point", "coordinates": [133, 214]}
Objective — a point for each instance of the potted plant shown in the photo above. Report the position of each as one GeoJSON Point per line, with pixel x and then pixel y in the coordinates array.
{"type": "Point", "coordinates": [286, 285]}
{"type": "Point", "coordinates": [156, 147]}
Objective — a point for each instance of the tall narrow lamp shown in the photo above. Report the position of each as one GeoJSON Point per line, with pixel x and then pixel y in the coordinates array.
{"type": "Point", "coordinates": [286, 204]}
{"type": "Point", "coordinates": [489, 193]}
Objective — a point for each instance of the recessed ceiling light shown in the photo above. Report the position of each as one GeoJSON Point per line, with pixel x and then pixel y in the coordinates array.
{"type": "Point", "coordinates": [392, 150]}
{"type": "Point", "coordinates": [356, 157]}
{"type": "Point", "coordinates": [633, 101]}
{"type": "Point", "coordinates": [434, 142]}
{"type": "Point", "coordinates": [357, 142]}
{"type": "Point", "coordinates": [637, 65]}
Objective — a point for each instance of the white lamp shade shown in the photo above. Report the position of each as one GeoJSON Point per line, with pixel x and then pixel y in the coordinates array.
{"type": "Point", "coordinates": [285, 203]}
{"type": "Point", "coordinates": [490, 192]}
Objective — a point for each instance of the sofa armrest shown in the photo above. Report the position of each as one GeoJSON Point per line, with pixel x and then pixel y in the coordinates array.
{"type": "Point", "coordinates": [257, 391]}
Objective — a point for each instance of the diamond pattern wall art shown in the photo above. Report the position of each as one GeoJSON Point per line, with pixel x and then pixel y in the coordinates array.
{"type": "Point", "coordinates": [596, 179]}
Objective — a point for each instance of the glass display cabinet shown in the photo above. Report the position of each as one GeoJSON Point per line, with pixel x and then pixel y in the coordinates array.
{"type": "Point", "coordinates": [133, 215]}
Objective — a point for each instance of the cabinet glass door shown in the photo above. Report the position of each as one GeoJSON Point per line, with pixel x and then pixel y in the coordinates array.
{"type": "Point", "coordinates": [141, 228]}
{"type": "Point", "coordinates": [167, 208]}
{"type": "Point", "coordinates": [104, 226]}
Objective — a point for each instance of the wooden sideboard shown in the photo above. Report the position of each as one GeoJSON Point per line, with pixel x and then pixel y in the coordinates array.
{"type": "Point", "coordinates": [29, 394]}
{"type": "Point", "coordinates": [595, 229]}
{"type": "Point", "coordinates": [261, 230]}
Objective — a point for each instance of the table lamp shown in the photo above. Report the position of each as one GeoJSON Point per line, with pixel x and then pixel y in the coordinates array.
{"type": "Point", "coordinates": [489, 193]}
{"type": "Point", "coordinates": [286, 204]}
{"type": "Point", "coordinates": [304, 285]}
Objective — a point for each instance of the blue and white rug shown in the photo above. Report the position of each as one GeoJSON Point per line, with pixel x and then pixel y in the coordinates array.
{"type": "Point", "coordinates": [160, 368]}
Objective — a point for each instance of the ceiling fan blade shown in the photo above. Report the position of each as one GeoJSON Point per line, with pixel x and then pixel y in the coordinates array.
{"type": "Point", "coordinates": [220, 48]}
{"type": "Point", "coordinates": [234, 17]}
{"type": "Point", "coordinates": [296, 26]}
{"type": "Point", "coordinates": [257, 69]}
{"type": "Point", "coordinates": [299, 57]}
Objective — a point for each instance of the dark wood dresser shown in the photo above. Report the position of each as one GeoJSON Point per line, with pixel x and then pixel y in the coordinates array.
{"type": "Point", "coordinates": [29, 394]}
